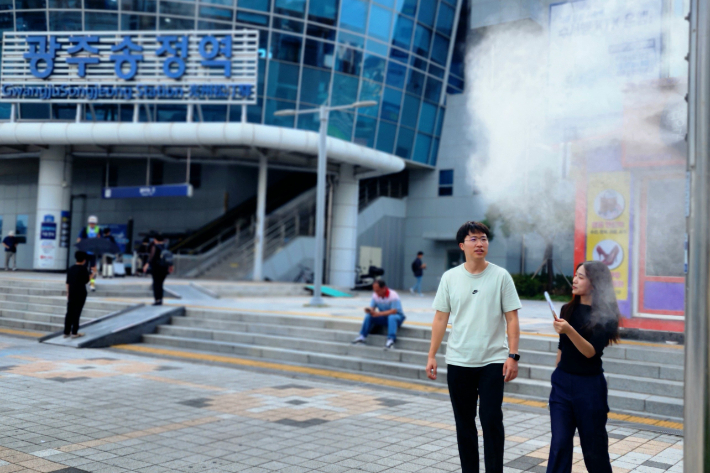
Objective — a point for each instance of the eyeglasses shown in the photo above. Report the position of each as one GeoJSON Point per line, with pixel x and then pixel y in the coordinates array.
{"type": "Point", "coordinates": [475, 240]}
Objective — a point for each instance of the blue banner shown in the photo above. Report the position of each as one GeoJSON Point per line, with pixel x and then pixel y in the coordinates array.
{"type": "Point", "coordinates": [48, 230]}
{"type": "Point", "coordinates": [119, 232]}
{"type": "Point", "coordinates": [171, 190]}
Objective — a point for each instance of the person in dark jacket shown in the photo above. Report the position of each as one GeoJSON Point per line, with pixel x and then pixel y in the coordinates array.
{"type": "Point", "coordinates": [160, 266]}
{"type": "Point", "coordinates": [10, 244]}
{"type": "Point", "coordinates": [77, 279]}
{"type": "Point", "coordinates": [418, 269]}
{"type": "Point", "coordinates": [578, 400]}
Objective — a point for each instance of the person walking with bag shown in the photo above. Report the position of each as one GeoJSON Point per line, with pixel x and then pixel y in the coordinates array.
{"type": "Point", "coordinates": [578, 400]}
{"type": "Point", "coordinates": [161, 264]}
{"type": "Point", "coordinates": [77, 278]}
{"type": "Point", "coordinates": [482, 350]}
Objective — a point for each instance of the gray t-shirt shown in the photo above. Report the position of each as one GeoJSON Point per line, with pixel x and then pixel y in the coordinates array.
{"type": "Point", "coordinates": [477, 303]}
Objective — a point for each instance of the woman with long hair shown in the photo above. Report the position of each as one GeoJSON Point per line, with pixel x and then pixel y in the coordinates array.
{"type": "Point", "coordinates": [578, 400]}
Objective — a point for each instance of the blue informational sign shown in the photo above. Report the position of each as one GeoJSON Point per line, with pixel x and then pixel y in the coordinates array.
{"type": "Point", "coordinates": [49, 228]}
{"type": "Point", "coordinates": [171, 190]}
{"type": "Point", "coordinates": [120, 67]}
{"type": "Point", "coordinates": [119, 232]}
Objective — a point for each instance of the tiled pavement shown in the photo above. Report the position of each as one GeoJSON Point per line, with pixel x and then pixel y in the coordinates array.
{"type": "Point", "coordinates": [74, 411]}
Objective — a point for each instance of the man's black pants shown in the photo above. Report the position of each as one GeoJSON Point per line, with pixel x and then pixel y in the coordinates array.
{"type": "Point", "coordinates": [159, 276]}
{"type": "Point", "coordinates": [466, 385]}
{"type": "Point", "coordinates": [75, 305]}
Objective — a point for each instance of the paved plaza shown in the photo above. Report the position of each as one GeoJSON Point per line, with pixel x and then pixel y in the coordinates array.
{"type": "Point", "coordinates": [73, 411]}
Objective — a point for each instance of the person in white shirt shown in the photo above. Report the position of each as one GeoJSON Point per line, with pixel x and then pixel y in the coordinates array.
{"type": "Point", "coordinates": [480, 301]}
{"type": "Point", "coordinates": [385, 309]}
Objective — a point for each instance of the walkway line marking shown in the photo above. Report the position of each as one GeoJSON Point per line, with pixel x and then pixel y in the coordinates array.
{"type": "Point", "coordinates": [361, 378]}
{"type": "Point", "coordinates": [23, 333]}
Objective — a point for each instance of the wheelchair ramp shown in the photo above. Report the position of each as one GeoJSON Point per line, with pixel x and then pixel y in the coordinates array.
{"type": "Point", "coordinates": [126, 326]}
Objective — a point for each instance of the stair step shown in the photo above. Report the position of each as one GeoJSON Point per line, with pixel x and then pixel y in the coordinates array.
{"type": "Point", "coordinates": [31, 325]}
{"type": "Point", "coordinates": [38, 316]}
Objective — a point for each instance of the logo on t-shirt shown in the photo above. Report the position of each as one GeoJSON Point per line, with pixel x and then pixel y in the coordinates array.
{"type": "Point", "coordinates": [475, 291]}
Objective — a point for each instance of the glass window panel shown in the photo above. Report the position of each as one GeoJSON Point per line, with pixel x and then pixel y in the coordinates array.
{"type": "Point", "coordinates": [348, 60]}
{"type": "Point", "coordinates": [260, 5]}
{"type": "Point", "coordinates": [374, 68]}
{"type": "Point", "coordinates": [181, 9]}
{"type": "Point", "coordinates": [215, 13]}
{"type": "Point", "coordinates": [283, 80]}
{"type": "Point", "coordinates": [351, 39]}
{"type": "Point", "coordinates": [101, 4]}
{"type": "Point", "coordinates": [365, 131]}
{"type": "Point", "coordinates": [436, 71]}
{"type": "Point", "coordinates": [445, 20]}
{"type": "Point", "coordinates": [396, 74]}
{"type": "Point", "coordinates": [408, 7]}
{"type": "Point", "coordinates": [225, 3]}
{"type": "Point", "coordinates": [340, 124]}
{"type": "Point", "coordinates": [64, 21]}
{"type": "Point", "coordinates": [30, 4]}
{"type": "Point", "coordinates": [253, 19]}
{"type": "Point", "coordinates": [315, 85]}
{"type": "Point", "coordinates": [320, 32]}
{"type": "Point", "coordinates": [422, 40]}
{"type": "Point", "coordinates": [138, 22]}
{"type": "Point", "coordinates": [21, 225]}
{"type": "Point", "coordinates": [440, 121]}
{"type": "Point", "coordinates": [319, 54]}
{"type": "Point", "coordinates": [344, 90]}
{"type": "Point", "coordinates": [170, 113]}
{"type": "Point", "coordinates": [323, 11]}
{"type": "Point", "coordinates": [286, 47]}
{"type": "Point", "coordinates": [104, 113]}
{"type": "Point", "coordinates": [446, 191]}
{"type": "Point", "coordinates": [167, 23]}
{"type": "Point", "coordinates": [387, 3]}
{"type": "Point", "coordinates": [434, 152]}
{"type": "Point", "coordinates": [295, 8]}
{"type": "Point", "coordinates": [253, 111]}
{"type": "Point", "coordinates": [427, 12]}
{"type": "Point", "coordinates": [147, 6]}
{"type": "Point", "coordinates": [7, 22]}
{"type": "Point", "coordinates": [385, 137]}
{"type": "Point", "coordinates": [403, 29]}
{"type": "Point", "coordinates": [34, 111]}
{"type": "Point", "coordinates": [260, 79]}
{"type": "Point", "coordinates": [309, 122]}
{"type": "Point", "coordinates": [421, 148]}
{"type": "Point", "coordinates": [410, 111]}
{"type": "Point", "coordinates": [391, 104]}
{"type": "Point", "coordinates": [62, 111]}
{"type": "Point", "coordinates": [7, 5]}
{"type": "Point", "coordinates": [440, 49]}
{"type": "Point", "coordinates": [96, 21]}
{"type": "Point", "coordinates": [213, 25]}
{"type": "Point", "coordinates": [399, 55]}
{"type": "Point", "coordinates": [427, 118]}
{"type": "Point", "coordinates": [272, 106]}
{"type": "Point", "coordinates": [432, 91]}
{"type": "Point", "coordinates": [455, 82]}
{"type": "Point", "coordinates": [370, 91]}
{"type": "Point", "coordinates": [380, 23]}
{"type": "Point", "coordinates": [405, 141]}
{"type": "Point", "coordinates": [415, 82]}
{"type": "Point", "coordinates": [377, 47]}
{"type": "Point", "coordinates": [353, 15]}
{"type": "Point", "coordinates": [419, 63]}
{"type": "Point", "coordinates": [214, 113]}
{"type": "Point", "coordinates": [446, 177]}
{"type": "Point", "coordinates": [288, 25]}
{"type": "Point", "coordinates": [31, 21]}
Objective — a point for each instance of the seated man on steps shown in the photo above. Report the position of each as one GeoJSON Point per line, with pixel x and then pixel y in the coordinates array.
{"type": "Point", "coordinates": [385, 309]}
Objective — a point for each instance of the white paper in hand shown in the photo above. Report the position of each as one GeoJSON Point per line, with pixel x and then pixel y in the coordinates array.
{"type": "Point", "coordinates": [549, 301]}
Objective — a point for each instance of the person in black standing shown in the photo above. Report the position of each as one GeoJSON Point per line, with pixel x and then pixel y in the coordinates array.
{"type": "Point", "coordinates": [10, 244]}
{"type": "Point", "coordinates": [418, 269]}
{"type": "Point", "coordinates": [77, 279]}
{"type": "Point", "coordinates": [161, 264]}
{"type": "Point", "coordinates": [578, 400]}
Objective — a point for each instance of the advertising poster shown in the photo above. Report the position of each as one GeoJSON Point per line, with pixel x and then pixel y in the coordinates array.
{"type": "Point", "coordinates": [608, 217]}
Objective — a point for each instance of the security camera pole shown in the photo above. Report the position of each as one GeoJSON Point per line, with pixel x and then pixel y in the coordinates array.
{"type": "Point", "coordinates": [323, 111]}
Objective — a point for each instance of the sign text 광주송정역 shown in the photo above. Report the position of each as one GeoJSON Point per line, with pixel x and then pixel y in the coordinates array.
{"type": "Point", "coordinates": [218, 67]}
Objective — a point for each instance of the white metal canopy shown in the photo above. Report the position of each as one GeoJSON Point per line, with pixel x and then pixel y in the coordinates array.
{"type": "Point", "coordinates": [195, 134]}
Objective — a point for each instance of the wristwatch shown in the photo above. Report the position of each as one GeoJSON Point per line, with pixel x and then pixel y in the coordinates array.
{"type": "Point", "coordinates": [514, 356]}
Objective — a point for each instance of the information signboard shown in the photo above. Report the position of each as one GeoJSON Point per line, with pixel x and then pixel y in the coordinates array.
{"type": "Point", "coordinates": [217, 67]}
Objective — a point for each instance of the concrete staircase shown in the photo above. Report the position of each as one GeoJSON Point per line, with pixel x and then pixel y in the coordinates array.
{"type": "Point", "coordinates": [45, 313]}
{"type": "Point", "coordinates": [55, 287]}
{"type": "Point", "coordinates": [641, 379]}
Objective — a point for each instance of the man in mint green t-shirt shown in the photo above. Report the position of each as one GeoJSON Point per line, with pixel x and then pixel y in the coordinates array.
{"type": "Point", "coordinates": [480, 301]}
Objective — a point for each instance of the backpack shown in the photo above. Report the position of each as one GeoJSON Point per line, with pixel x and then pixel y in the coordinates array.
{"type": "Point", "coordinates": [165, 259]}
{"type": "Point", "coordinates": [415, 266]}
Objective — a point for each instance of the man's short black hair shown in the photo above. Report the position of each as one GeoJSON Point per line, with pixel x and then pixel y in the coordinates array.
{"type": "Point", "coordinates": [380, 282]}
{"type": "Point", "coordinates": [106, 230]}
{"type": "Point", "coordinates": [80, 256]}
{"type": "Point", "coordinates": [472, 227]}
{"type": "Point", "coordinates": [159, 237]}
{"type": "Point", "coordinates": [420, 253]}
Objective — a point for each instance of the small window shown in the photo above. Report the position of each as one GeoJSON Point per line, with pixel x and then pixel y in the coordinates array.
{"type": "Point", "coordinates": [196, 175]}
{"type": "Point", "coordinates": [446, 182]}
{"type": "Point", "coordinates": [21, 224]}
{"type": "Point", "coordinates": [156, 173]}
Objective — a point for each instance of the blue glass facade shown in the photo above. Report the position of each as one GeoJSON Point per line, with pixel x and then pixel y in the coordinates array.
{"type": "Point", "coordinates": [395, 52]}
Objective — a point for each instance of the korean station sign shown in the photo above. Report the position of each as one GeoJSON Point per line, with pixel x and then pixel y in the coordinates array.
{"type": "Point", "coordinates": [218, 67]}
